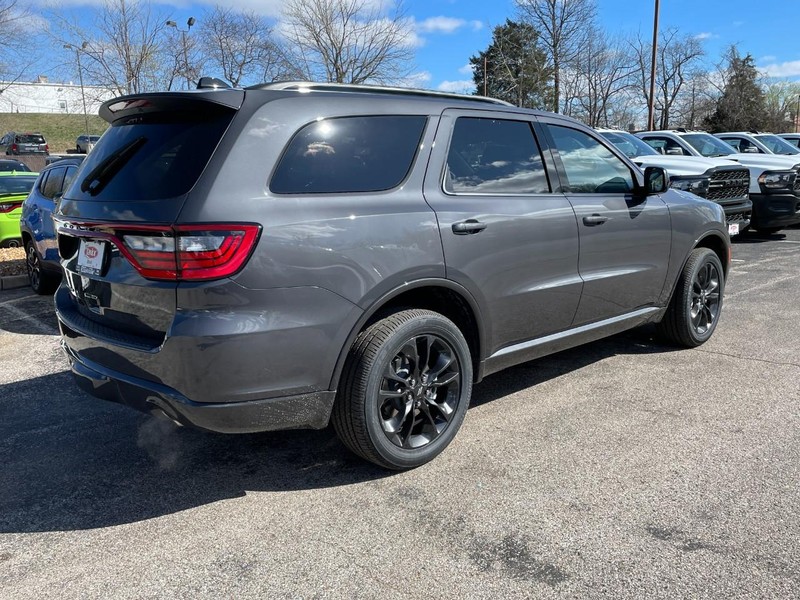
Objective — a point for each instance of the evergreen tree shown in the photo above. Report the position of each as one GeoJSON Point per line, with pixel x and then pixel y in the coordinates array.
{"type": "Point", "coordinates": [742, 106]}
{"type": "Point", "coordinates": [515, 67]}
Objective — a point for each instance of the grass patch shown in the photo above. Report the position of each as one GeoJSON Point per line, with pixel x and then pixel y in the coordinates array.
{"type": "Point", "coordinates": [59, 130]}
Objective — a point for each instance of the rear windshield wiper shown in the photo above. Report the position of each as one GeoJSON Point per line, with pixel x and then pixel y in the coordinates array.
{"type": "Point", "coordinates": [99, 177]}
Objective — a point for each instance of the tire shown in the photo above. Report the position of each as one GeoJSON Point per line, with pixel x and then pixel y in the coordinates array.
{"type": "Point", "coordinates": [696, 304]}
{"type": "Point", "coordinates": [404, 420]}
{"type": "Point", "coordinates": [41, 282]}
{"type": "Point", "coordinates": [12, 243]}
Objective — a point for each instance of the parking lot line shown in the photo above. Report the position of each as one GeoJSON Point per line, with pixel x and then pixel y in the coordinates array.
{"type": "Point", "coordinates": [34, 321]}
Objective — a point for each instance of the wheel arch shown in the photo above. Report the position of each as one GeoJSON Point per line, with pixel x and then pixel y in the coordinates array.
{"type": "Point", "coordinates": [714, 241]}
{"type": "Point", "coordinates": [440, 295]}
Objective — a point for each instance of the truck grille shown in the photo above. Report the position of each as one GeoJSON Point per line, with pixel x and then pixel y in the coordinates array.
{"type": "Point", "coordinates": [796, 187]}
{"type": "Point", "coordinates": [728, 184]}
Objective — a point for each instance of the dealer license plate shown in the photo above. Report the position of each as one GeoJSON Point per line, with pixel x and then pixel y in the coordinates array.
{"type": "Point", "coordinates": [90, 257]}
{"type": "Point", "coordinates": [733, 229]}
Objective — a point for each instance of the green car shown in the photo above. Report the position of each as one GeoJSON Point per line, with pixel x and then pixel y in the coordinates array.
{"type": "Point", "coordinates": [14, 188]}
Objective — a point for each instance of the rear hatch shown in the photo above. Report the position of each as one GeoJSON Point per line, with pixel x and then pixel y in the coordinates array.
{"type": "Point", "coordinates": [122, 252]}
{"type": "Point", "coordinates": [30, 143]}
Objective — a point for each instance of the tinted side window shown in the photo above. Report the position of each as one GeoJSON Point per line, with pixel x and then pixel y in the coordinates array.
{"type": "Point", "coordinates": [68, 178]}
{"type": "Point", "coordinates": [349, 154]}
{"type": "Point", "coordinates": [52, 186]}
{"type": "Point", "coordinates": [494, 156]}
{"type": "Point", "coordinates": [591, 168]}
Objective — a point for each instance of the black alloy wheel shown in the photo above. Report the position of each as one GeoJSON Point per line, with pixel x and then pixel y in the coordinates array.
{"type": "Point", "coordinates": [706, 298]}
{"type": "Point", "coordinates": [40, 280]}
{"type": "Point", "coordinates": [696, 303]}
{"type": "Point", "coordinates": [404, 390]}
{"type": "Point", "coordinates": [420, 391]}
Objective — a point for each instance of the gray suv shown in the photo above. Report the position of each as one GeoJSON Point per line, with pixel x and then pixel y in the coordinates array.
{"type": "Point", "coordinates": [290, 255]}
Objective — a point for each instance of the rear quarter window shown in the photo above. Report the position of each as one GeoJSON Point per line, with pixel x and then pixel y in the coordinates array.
{"type": "Point", "coordinates": [349, 154]}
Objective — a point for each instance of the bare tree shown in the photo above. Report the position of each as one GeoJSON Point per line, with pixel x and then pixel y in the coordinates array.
{"type": "Point", "coordinates": [241, 45]}
{"type": "Point", "coordinates": [603, 71]}
{"type": "Point", "coordinates": [349, 41]}
{"type": "Point", "coordinates": [676, 58]}
{"type": "Point", "coordinates": [563, 26]}
{"type": "Point", "coordinates": [782, 99]}
{"type": "Point", "coordinates": [124, 50]}
{"type": "Point", "coordinates": [15, 58]}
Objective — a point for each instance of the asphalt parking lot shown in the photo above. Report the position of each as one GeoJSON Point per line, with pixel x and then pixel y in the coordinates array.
{"type": "Point", "coordinates": [623, 469]}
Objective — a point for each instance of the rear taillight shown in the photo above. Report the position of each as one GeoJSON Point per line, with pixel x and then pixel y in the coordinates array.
{"type": "Point", "coordinates": [14, 147]}
{"type": "Point", "coordinates": [189, 252]}
{"type": "Point", "coordinates": [47, 148]}
{"type": "Point", "coordinates": [7, 207]}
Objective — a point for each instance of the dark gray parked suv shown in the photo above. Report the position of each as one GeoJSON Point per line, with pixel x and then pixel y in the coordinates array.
{"type": "Point", "coordinates": [293, 254]}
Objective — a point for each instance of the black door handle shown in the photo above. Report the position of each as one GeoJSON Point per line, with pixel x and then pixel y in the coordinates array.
{"type": "Point", "coordinates": [468, 227]}
{"type": "Point", "coordinates": [594, 219]}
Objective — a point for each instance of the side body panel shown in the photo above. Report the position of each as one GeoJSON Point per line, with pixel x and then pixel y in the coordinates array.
{"type": "Point", "coordinates": [522, 267]}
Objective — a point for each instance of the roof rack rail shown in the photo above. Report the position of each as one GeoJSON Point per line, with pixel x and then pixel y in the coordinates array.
{"type": "Point", "coordinates": [308, 86]}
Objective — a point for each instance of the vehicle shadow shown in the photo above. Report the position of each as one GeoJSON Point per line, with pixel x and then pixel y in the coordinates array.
{"type": "Point", "coordinates": [71, 462]}
{"type": "Point", "coordinates": [757, 237]}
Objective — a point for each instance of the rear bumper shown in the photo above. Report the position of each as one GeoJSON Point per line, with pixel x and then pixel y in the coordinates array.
{"type": "Point", "coordinates": [775, 210]}
{"type": "Point", "coordinates": [304, 411]}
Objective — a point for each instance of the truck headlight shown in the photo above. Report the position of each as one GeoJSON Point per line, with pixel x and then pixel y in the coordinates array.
{"type": "Point", "coordinates": [695, 185]}
{"type": "Point", "coordinates": [777, 180]}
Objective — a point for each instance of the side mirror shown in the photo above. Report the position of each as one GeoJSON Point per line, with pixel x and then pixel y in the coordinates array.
{"type": "Point", "coordinates": [656, 180]}
{"type": "Point", "coordinates": [674, 151]}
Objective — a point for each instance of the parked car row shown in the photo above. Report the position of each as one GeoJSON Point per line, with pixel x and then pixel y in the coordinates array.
{"type": "Point", "coordinates": [754, 176]}
{"type": "Point", "coordinates": [20, 143]}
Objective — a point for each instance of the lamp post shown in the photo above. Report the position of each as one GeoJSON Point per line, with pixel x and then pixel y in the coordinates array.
{"type": "Point", "coordinates": [191, 21]}
{"type": "Point", "coordinates": [84, 45]}
{"type": "Point", "coordinates": [651, 108]}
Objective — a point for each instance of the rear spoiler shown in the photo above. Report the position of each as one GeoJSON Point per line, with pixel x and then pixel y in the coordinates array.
{"type": "Point", "coordinates": [125, 107]}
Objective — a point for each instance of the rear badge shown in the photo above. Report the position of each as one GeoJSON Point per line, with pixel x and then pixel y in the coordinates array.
{"type": "Point", "coordinates": [90, 258]}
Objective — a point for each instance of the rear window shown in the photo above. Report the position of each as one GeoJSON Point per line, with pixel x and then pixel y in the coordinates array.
{"type": "Point", "coordinates": [30, 139]}
{"type": "Point", "coordinates": [21, 184]}
{"type": "Point", "coordinates": [349, 154]}
{"type": "Point", "coordinates": [150, 157]}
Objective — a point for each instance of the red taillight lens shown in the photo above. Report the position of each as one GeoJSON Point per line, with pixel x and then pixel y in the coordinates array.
{"type": "Point", "coordinates": [190, 252]}
{"type": "Point", "coordinates": [14, 147]}
{"type": "Point", "coordinates": [7, 207]}
{"type": "Point", "coordinates": [47, 148]}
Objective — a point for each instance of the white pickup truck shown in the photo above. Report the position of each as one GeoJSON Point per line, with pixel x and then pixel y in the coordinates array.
{"type": "Point", "coordinates": [774, 182]}
{"type": "Point", "coordinates": [725, 182]}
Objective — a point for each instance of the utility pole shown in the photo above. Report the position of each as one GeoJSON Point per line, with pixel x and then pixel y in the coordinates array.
{"type": "Point", "coordinates": [84, 45]}
{"type": "Point", "coordinates": [651, 108]}
{"type": "Point", "coordinates": [189, 24]}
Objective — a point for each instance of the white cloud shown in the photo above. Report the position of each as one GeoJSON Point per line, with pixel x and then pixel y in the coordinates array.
{"type": "Point", "coordinates": [784, 69]}
{"type": "Point", "coordinates": [767, 59]}
{"type": "Point", "coordinates": [466, 69]}
{"type": "Point", "coordinates": [440, 25]}
{"type": "Point", "coordinates": [476, 25]}
{"type": "Point", "coordinates": [462, 86]}
{"type": "Point", "coordinates": [705, 35]}
{"type": "Point", "coordinates": [416, 80]}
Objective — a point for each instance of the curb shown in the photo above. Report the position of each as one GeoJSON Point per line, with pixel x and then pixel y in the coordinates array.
{"type": "Point", "coordinates": [11, 282]}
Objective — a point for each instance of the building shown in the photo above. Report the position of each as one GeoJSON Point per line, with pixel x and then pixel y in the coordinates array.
{"type": "Point", "coordinates": [43, 97]}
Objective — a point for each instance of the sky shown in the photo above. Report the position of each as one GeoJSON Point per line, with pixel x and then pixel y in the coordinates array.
{"type": "Point", "coordinates": [448, 32]}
